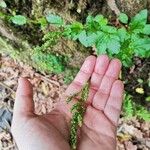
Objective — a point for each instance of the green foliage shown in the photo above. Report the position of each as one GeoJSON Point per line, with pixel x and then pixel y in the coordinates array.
{"type": "Point", "coordinates": [123, 18]}
{"type": "Point", "coordinates": [3, 4]}
{"type": "Point", "coordinates": [131, 109]}
{"type": "Point", "coordinates": [44, 58]}
{"type": "Point", "coordinates": [19, 20]}
{"type": "Point", "coordinates": [54, 19]}
{"type": "Point", "coordinates": [77, 110]}
{"type": "Point", "coordinates": [128, 108]}
{"type": "Point", "coordinates": [50, 39]}
{"type": "Point", "coordinates": [43, 22]}
{"type": "Point", "coordinates": [122, 42]}
{"type": "Point", "coordinates": [47, 62]}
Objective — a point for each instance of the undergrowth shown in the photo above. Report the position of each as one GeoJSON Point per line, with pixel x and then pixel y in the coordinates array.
{"type": "Point", "coordinates": [131, 109]}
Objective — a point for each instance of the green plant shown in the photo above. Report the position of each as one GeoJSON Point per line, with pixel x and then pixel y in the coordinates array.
{"type": "Point", "coordinates": [54, 19]}
{"type": "Point", "coordinates": [123, 18]}
{"type": "Point", "coordinates": [77, 110]}
{"type": "Point", "coordinates": [50, 39]}
{"type": "Point", "coordinates": [131, 109]}
{"type": "Point", "coordinates": [124, 41]}
{"type": "Point", "coordinates": [18, 19]}
{"type": "Point", "coordinates": [48, 62]}
{"type": "Point", "coordinates": [128, 108]}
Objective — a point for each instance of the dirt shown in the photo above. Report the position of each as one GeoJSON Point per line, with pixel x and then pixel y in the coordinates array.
{"type": "Point", "coordinates": [140, 70]}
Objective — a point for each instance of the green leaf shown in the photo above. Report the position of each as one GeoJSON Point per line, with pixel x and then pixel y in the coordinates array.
{"type": "Point", "coordinates": [139, 21]}
{"type": "Point", "coordinates": [3, 4]}
{"type": "Point", "coordinates": [76, 26]}
{"type": "Point", "coordinates": [19, 19]}
{"type": "Point", "coordinates": [101, 48]}
{"type": "Point", "coordinates": [89, 19]}
{"type": "Point", "coordinates": [122, 33]}
{"type": "Point", "coordinates": [141, 46]}
{"type": "Point", "coordinates": [141, 16]}
{"type": "Point", "coordinates": [101, 44]}
{"type": "Point", "coordinates": [87, 40]}
{"type": "Point", "coordinates": [113, 46]}
{"type": "Point", "coordinates": [109, 29]}
{"type": "Point", "coordinates": [123, 18]}
{"type": "Point", "coordinates": [101, 20]}
{"type": "Point", "coordinates": [83, 38]}
{"type": "Point", "coordinates": [54, 19]}
{"type": "Point", "coordinates": [146, 29]}
{"type": "Point", "coordinates": [43, 23]}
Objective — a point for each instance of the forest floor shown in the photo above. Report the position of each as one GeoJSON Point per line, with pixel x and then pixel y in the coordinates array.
{"type": "Point", "coordinates": [132, 134]}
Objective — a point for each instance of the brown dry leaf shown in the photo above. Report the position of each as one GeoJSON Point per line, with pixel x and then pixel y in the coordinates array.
{"type": "Point", "coordinates": [45, 88]}
{"type": "Point", "coordinates": [129, 146]}
{"type": "Point", "coordinates": [123, 137]}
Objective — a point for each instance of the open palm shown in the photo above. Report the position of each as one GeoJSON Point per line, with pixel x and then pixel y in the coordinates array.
{"type": "Point", "coordinates": [51, 131]}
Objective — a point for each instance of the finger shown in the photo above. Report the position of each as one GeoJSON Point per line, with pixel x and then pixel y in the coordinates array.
{"type": "Point", "coordinates": [113, 107]}
{"type": "Point", "coordinates": [101, 66]}
{"type": "Point", "coordinates": [103, 92]}
{"type": "Point", "coordinates": [83, 76]}
{"type": "Point", "coordinates": [24, 98]}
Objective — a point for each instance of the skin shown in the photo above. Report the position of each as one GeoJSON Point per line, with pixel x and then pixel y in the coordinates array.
{"type": "Point", "coordinates": [51, 131]}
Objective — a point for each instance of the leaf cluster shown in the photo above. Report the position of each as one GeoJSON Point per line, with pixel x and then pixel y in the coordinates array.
{"type": "Point", "coordinates": [131, 109]}
{"type": "Point", "coordinates": [130, 39]}
{"type": "Point", "coordinates": [47, 61]}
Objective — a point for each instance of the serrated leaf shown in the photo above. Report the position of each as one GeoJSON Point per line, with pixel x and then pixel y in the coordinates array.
{"type": "Point", "coordinates": [54, 19]}
{"type": "Point", "coordinates": [87, 40]}
{"type": "Point", "coordinates": [19, 19]}
{"type": "Point", "coordinates": [122, 33]}
{"type": "Point", "coordinates": [101, 20]}
{"type": "Point", "coordinates": [146, 29]}
{"type": "Point", "coordinates": [89, 19]}
{"type": "Point", "coordinates": [109, 29]}
{"type": "Point", "coordinates": [113, 46]}
{"type": "Point", "coordinates": [139, 21]}
{"type": "Point", "coordinates": [141, 47]}
{"type": "Point", "coordinates": [83, 38]}
{"type": "Point", "coordinates": [141, 16]}
{"type": "Point", "coordinates": [101, 48]}
{"type": "Point", "coordinates": [123, 18]}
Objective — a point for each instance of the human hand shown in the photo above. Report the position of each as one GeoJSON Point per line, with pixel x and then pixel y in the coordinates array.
{"type": "Point", "coordinates": [51, 131]}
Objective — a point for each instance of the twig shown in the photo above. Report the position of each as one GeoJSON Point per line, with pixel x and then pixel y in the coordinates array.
{"type": "Point", "coordinates": [47, 79]}
{"type": "Point", "coordinates": [113, 6]}
{"type": "Point", "coordinates": [7, 87]}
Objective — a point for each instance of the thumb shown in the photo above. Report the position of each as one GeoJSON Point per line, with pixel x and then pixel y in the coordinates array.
{"type": "Point", "coordinates": [24, 98]}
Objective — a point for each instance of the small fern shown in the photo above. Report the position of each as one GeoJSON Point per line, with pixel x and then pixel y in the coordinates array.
{"type": "Point", "coordinates": [128, 108]}
{"type": "Point", "coordinates": [131, 109]}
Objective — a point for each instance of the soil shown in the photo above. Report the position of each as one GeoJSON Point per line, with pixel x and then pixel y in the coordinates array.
{"type": "Point", "coordinates": [140, 70]}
